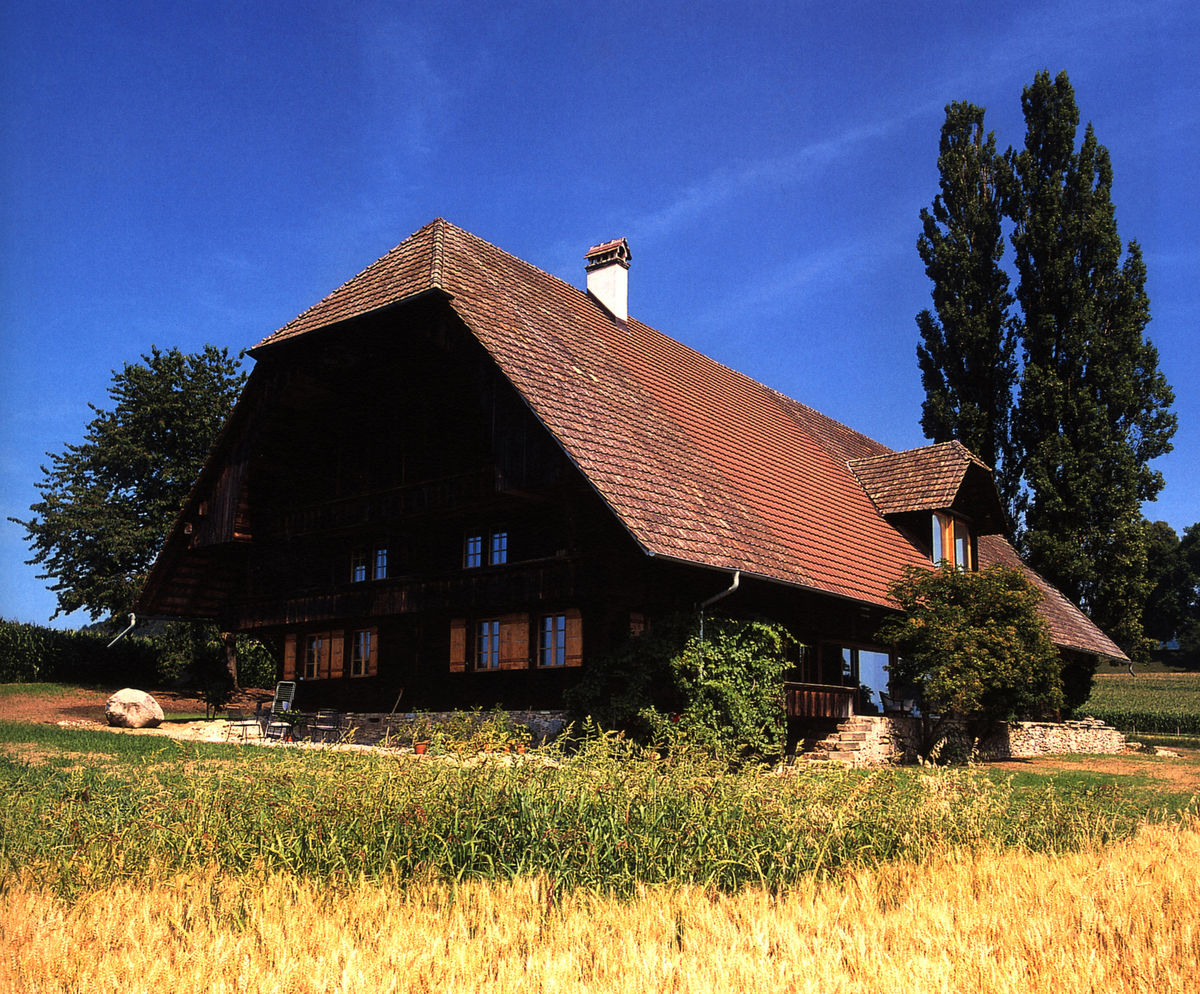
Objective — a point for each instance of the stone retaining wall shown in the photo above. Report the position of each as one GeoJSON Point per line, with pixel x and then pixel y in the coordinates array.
{"type": "Point", "coordinates": [371, 728]}
{"type": "Point", "coordinates": [1015, 740]}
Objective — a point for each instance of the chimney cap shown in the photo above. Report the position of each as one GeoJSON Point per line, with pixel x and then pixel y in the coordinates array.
{"type": "Point", "coordinates": [607, 253]}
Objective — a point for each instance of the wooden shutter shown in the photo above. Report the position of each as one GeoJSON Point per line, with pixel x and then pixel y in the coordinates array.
{"type": "Point", "coordinates": [458, 645]}
{"type": "Point", "coordinates": [373, 656]}
{"type": "Point", "coordinates": [289, 657]}
{"type": "Point", "coordinates": [514, 642]}
{"type": "Point", "coordinates": [337, 653]}
{"type": "Point", "coordinates": [574, 639]}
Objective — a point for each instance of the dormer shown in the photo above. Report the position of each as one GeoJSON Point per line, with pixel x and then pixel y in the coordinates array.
{"type": "Point", "coordinates": [941, 496]}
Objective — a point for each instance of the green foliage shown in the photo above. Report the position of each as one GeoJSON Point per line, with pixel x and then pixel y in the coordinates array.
{"type": "Point", "coordinates": [722, 692]}
{"type": "Point", "coordinates": [1168, 703]}
{"type": "Point", "coordinates": [30, 653]}
{"type": "Point", "coordinates": [967, 350]}
{"type": "Point", "coordinates": [1094, 407]}
{"type": "Point", "coordinates": [1173, 607]}
{"type": "Point", "coordinates": [107, 503]}
{"type": "Point", "coordinates": [1090, 408]}
{"type": "Point", "coordinates": [610, 817]}
{"type": "Point", "coordinates": [974, 644]}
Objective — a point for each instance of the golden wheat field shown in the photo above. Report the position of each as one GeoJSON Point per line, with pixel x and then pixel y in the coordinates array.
{"type": "Point", "coordinates": [1123, 918]}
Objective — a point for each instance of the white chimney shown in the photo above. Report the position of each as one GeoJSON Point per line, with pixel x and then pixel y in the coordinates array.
{"type": "Point", "coordinates": [608, 276]}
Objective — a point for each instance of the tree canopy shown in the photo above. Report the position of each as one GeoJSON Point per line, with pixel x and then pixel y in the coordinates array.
{"type": "Point", "coordinates": [967, 348]}
{"type": "Point", "coordinates": [107, 503]}
{"type": "Point", "coordinates": [973, 644]}
{"type": "Point", "coordinates": [1087, 407]}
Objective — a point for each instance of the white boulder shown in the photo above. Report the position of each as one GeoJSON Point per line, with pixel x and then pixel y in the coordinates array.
{"type": "Point", "coordinates": [130, 708]}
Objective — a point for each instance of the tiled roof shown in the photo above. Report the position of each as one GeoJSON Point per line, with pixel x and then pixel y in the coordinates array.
{"type": "Point", "coordinates": [1070, 628]}
{"type": "Point", "coordinates": [699, 462]}
{"type": "Point", "coordinates": [925, 479]}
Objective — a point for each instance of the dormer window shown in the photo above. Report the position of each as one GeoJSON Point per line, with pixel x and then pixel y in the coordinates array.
{"type": "Point", "coordinates": [951, 541]}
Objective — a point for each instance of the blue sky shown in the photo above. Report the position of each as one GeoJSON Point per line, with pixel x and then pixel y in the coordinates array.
{"type": "Point", "coordinates": [182, 173]}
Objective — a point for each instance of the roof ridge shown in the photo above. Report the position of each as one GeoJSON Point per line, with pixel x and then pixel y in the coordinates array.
{"type": "Point", "coordinates": [435, 263]}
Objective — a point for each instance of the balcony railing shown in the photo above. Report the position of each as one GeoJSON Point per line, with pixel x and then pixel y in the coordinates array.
{"type": "Point", "coordinates": [819, 700]}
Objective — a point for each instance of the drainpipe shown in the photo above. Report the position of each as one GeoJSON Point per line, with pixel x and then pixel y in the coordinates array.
{"type": "Point", "coordinates": [132, 622]}
{"type": "Point", "coordinates": [737, 579]}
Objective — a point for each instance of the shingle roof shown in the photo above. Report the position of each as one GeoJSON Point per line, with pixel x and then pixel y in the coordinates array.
{"type": "Point", "coordinates": [925, 479]}
{"type": "Point", "coordinates": [699, 462]}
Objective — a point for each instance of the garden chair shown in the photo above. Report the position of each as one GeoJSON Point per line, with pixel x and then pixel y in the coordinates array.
{"type": "Point", "coordinates": [328, 726]}
{"type": "Point", "coordinates": [274, 724]}
{"type": "Point", "coordinates": [241, 724]}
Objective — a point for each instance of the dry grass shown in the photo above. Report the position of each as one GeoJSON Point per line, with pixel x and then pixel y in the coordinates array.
{"type": "Point", "coordinates": [1123, 918]}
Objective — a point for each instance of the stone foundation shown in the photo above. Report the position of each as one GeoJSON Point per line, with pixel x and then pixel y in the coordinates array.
{"type": "Point", "coordinates": [874, 741]}
{"type": "Point", "coordinates": [370, 728]}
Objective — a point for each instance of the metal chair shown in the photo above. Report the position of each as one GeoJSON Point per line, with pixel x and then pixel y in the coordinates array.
{"type": "Point", "coordinates": [274, 724]}
{"type": "Point", "coordinates": [241, 724]}
{"type": "Point", "coordinates": [328, 726]}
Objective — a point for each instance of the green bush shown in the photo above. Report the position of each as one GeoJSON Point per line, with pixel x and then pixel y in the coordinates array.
{"type": "Point", "coordinates": [722, 692]}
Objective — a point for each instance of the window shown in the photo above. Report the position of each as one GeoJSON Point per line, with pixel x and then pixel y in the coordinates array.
{"type": "Point", "coordinates": [552, 641]}
{"type": "Point", "coordinates": [362, 647]}
{"type": "Point", "coordinates": [473, 552]}
{"type": "Point", "coordinates": [314, 653]}
{"type": "Point", "coordinates": [487, 645]}
{"type": "Point", "coordinates": [381, 563]}
{"type": "Point", "coordinates": [951, 541]}
{"type": "Point", "coordinates": [496, 550]}
{"type": "Point", "coordinates": [358, 566]}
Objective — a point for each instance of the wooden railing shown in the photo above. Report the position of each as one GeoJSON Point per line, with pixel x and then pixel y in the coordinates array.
{"type": "Point", "coordinates": [819, 700]}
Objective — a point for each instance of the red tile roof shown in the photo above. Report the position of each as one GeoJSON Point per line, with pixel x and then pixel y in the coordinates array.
{"type": "Point", "coordinates": [925, 479]}
{"type": "Point", "coordinates": [699, 462]}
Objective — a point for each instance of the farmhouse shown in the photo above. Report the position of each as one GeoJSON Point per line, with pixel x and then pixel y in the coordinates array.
{"type": "Point", "coordinates": [459, 476]}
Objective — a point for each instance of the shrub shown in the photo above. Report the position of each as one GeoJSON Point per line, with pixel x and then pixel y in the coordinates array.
{"type": "Point", "coordinates": [722, 692]}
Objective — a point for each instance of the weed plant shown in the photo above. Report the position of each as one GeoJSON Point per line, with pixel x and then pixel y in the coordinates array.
{"type": "Point", "coordinates": [83, 810]}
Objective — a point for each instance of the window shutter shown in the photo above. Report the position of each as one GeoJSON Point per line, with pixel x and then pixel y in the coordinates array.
{"type": "Point", "coordinates": [574, 639]}
{"type": "Point", "coordinates": [289, 657]}
{"type": "Point", "coordinates": [514, 642]}
{"type": "Point", "coordinates": [337, 651]}
{"type": "Point", "coordinates": [458, 645]}
{"type": "Point", "coordinates": [373, 657]}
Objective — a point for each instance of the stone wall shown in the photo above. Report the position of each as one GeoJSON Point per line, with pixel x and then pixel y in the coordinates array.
{"type": "Point", "coordinates": [1015, 740]}
{"type": "Point", "coordinates": [369, 728]}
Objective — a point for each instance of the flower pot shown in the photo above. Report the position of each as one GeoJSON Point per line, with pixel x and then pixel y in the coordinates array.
{"type": "Point", "coordinates": [420, 747]}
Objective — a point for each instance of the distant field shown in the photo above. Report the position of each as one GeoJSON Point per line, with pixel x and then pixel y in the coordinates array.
{"type": "Point", "coordinates": [1162, 703]}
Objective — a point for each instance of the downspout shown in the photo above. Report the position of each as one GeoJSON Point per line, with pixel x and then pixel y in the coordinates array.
{"type": "Point", "coordinates": [720, 595]}
{"type": "Point", "coordinates": [132, 622]}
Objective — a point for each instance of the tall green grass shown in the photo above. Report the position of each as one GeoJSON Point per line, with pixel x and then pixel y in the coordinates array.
{"type": "Point", "coordinates": [79, 813]}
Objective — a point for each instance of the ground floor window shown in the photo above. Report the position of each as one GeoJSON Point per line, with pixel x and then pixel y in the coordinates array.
{"type": "Point", "coordinates": [516, 641]}
{"type": "Point", "coordinates": [363, 649]}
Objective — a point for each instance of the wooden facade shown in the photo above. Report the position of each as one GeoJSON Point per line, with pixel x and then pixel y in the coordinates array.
{"type": "Point", "coordinates": [458, 481]}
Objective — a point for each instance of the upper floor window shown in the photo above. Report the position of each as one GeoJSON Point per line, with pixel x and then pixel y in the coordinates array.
{"type": "Point", "coordinates": [358, 566]}
{"type": "Point", "coordinates": [495, 552]}
{"type": "Point", "coordinates": [368, 564]}
{"type": "Point", "coordinates": [951, 541]}
{"type": "Point", "coordinates": [380, 570]}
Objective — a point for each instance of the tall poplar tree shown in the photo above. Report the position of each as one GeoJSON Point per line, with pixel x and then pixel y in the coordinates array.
{"type": "Point", "coordinates": [967, 348]}
{"type": "Point", "coordinates": [1094, 408]}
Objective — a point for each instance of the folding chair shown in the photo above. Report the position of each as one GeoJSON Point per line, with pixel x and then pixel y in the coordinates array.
{"type": "Point", "coordinates": [328, 726]}
{"type": "Point", "coordinates": [241, 724]}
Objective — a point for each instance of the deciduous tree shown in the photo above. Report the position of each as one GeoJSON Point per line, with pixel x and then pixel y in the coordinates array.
{"type": "Point", "coordinates": [107, 503]}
